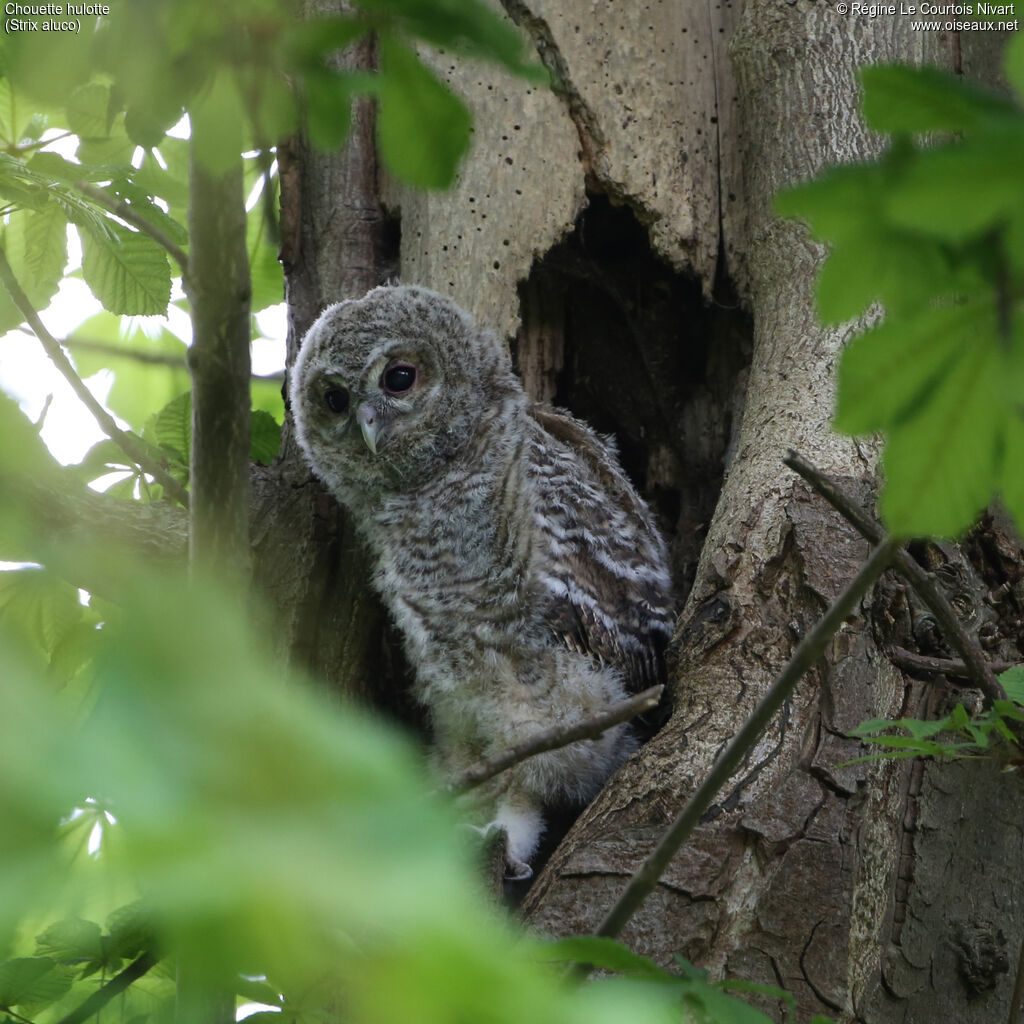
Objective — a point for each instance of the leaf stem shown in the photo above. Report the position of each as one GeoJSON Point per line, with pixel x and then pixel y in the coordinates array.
{"type": "Point", "coordinates": [53, 349]}
{"type": "Point", "coordinates": [810, 650]}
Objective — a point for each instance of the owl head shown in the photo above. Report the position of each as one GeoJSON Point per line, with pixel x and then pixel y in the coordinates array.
{"type": "Point", "coordinates": [389, 387]}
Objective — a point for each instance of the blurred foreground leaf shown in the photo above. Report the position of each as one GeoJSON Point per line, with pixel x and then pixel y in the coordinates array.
{"type": "Point", "coordinates": [271, 830]}
{"type": "Point", "coordinates": [935, 234]}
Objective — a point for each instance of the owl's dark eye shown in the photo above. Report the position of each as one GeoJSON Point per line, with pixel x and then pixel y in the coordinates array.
{"type": "Point", "coordinates": [336, 399]}
{"type": "Point", "coordinates": [398, 379]}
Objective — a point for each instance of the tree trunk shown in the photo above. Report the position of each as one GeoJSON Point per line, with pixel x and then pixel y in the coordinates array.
{"type": "Point", "coordinates": [619, 230]}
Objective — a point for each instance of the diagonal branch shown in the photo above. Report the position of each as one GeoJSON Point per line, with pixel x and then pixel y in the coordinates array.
{"type": "Point", "coordinates": [553, 739]}
{"type": "Point", "coordinates": [121, 209]}
{"type": "Point", "coordinates": [962, 642]}
{"type": "Point", "coordinates": [810, 650]}
{"type": "Point", "coordinates": [123, 440]}
{"type": "Point", "coordinates": [135, 970]}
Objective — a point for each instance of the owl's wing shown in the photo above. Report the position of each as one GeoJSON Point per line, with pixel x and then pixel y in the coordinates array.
{"type": "Point", "coordinates": [603, 571]}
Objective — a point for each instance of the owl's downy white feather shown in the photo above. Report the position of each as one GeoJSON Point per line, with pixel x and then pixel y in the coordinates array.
{"type": "Point", "coordinates": [527, 577]}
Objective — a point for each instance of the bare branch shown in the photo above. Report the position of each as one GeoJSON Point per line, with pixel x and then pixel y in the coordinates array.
{"type": "Point", "coordinates": [912, 662]}
{"type": "Point", "coordinates": [133, 217]}
{"type": "Point", "coordinates": [960, 640]}
{"type": "Point", "coordinates": [810, 650]}
{"type": "Point", "coordinates": [553, 739]}
{"type": "Point", "coordinates": [124, 441]}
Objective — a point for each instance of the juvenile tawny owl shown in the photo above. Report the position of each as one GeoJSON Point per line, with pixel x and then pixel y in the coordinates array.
{"type": "Point", "coordinates": [525, 574]}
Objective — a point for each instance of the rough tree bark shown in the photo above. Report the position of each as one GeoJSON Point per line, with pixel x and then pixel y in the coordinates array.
{"type": "Point", "coordinates": [619, 231]}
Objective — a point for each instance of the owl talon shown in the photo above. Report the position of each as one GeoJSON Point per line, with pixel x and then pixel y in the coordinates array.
{"type": "Point", "coordinates": [517, 870]}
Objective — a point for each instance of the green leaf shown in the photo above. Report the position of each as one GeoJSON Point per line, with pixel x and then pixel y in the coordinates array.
{"type": "Point", "coordinates": [257, 991]}
{"type": "Point", "coordinates": [602, 952]}
{"type": "Point", "coordinates": [140, 387]}
{"type": "Point", "coordinates": [38, 241]}
{"type": "Point", "coordinates": [265, 269]}
{"type": "Point", "coordinates": [942, 464]}
{"type": "Point", "coordinates": [918, 728]}
{"type": "Point", "coordinates": [721, 1007]}
{"type": "Point", "coordinates": [838, 203]}
{"type": "Point", "coordinates": [116, 149]}
{"type": "Point", "coordinates": [1013, 683]}
{"type": "Point", "coordinates": [755, 988]}
{"type": "Point", "coordinates": [422, 127]}
{"type": "Point", "coordinates": [467, 26]}
{"type": "Point", "coordinates": [879, 264]}
{"type": "Point", "coordinates": [957, 192]}
{"type": "Point", "coordinates": [328, 98]}
{"type": "Point", "coordinates": [308, 43]}
{"type": "Point", "coordinates": [958, 717]}
{"type": "Point", "coordinates": [1013, 63]}
{"type": "Point", "coordinates": [33, 980]}
{"type": "Point", "coordinates": [266, 437]}
{"type": "Point", "coordinates": [889, 372]}
{"type": "Point", "coordinates": [138, 199]}
{"type": "Point", "coordinates": [131, 930]}
{"type": "Point", "coordinates": [48, 66]}
{"type": "Point", "coordinates": [102, 458]}
{"type": "Point", "coordinates": [170, 183]}
{"type": "Point", "coordinates": [89, 112]}
{"type": "Point", "coordinates": [8, 114]}
{"type": "Point", "coordinates": [172, 426]}
{"type": "Point", "coordinates": [126, 271]}
{"type": "Point", "coordinates": [1011, 481]}
{"type": "Point", "coordinates": [900, 98]}
{"type": "Point", "coordinates": [218, 116]}
{"type": "Point", "coordinates": [70, 940]}
{"type": "Point", "coordinates": [42, 607]}
{"type": "Point", "coordinates": [35, 243]}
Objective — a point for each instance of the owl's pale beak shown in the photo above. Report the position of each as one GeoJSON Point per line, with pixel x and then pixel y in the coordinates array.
{"type": "Point", "coordinates": [369, 423]}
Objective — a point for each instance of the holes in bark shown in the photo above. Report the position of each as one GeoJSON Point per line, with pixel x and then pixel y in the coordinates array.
{"type": "Point", "coordinates": [388, 246]}
{"type": "Point", "coordinates": [616, 335]}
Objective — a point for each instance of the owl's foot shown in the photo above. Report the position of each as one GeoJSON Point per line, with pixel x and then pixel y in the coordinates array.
{"type": "Point", "coordinates": [516, 870]}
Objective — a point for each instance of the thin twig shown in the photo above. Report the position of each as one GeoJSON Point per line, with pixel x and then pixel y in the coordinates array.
{"type": "Point", "coordinates": [127, 213]}
{"type": "Point", "coordinates": [124, 441]}
{"type": "Point", "coordinates": [959, 639]}
{"type": "Point", "coordinates": [553, 739]}
{"type": "Point", "coordinates": [912, 662]}
{"type": "Point", "coordinates": [810, 650]}
{"type": "Point", "coordinates": [117, 984]}
{"type": "Point", "coordinates": [142, 356]}
{"type": "Point", "coordinates": [104, 348]}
